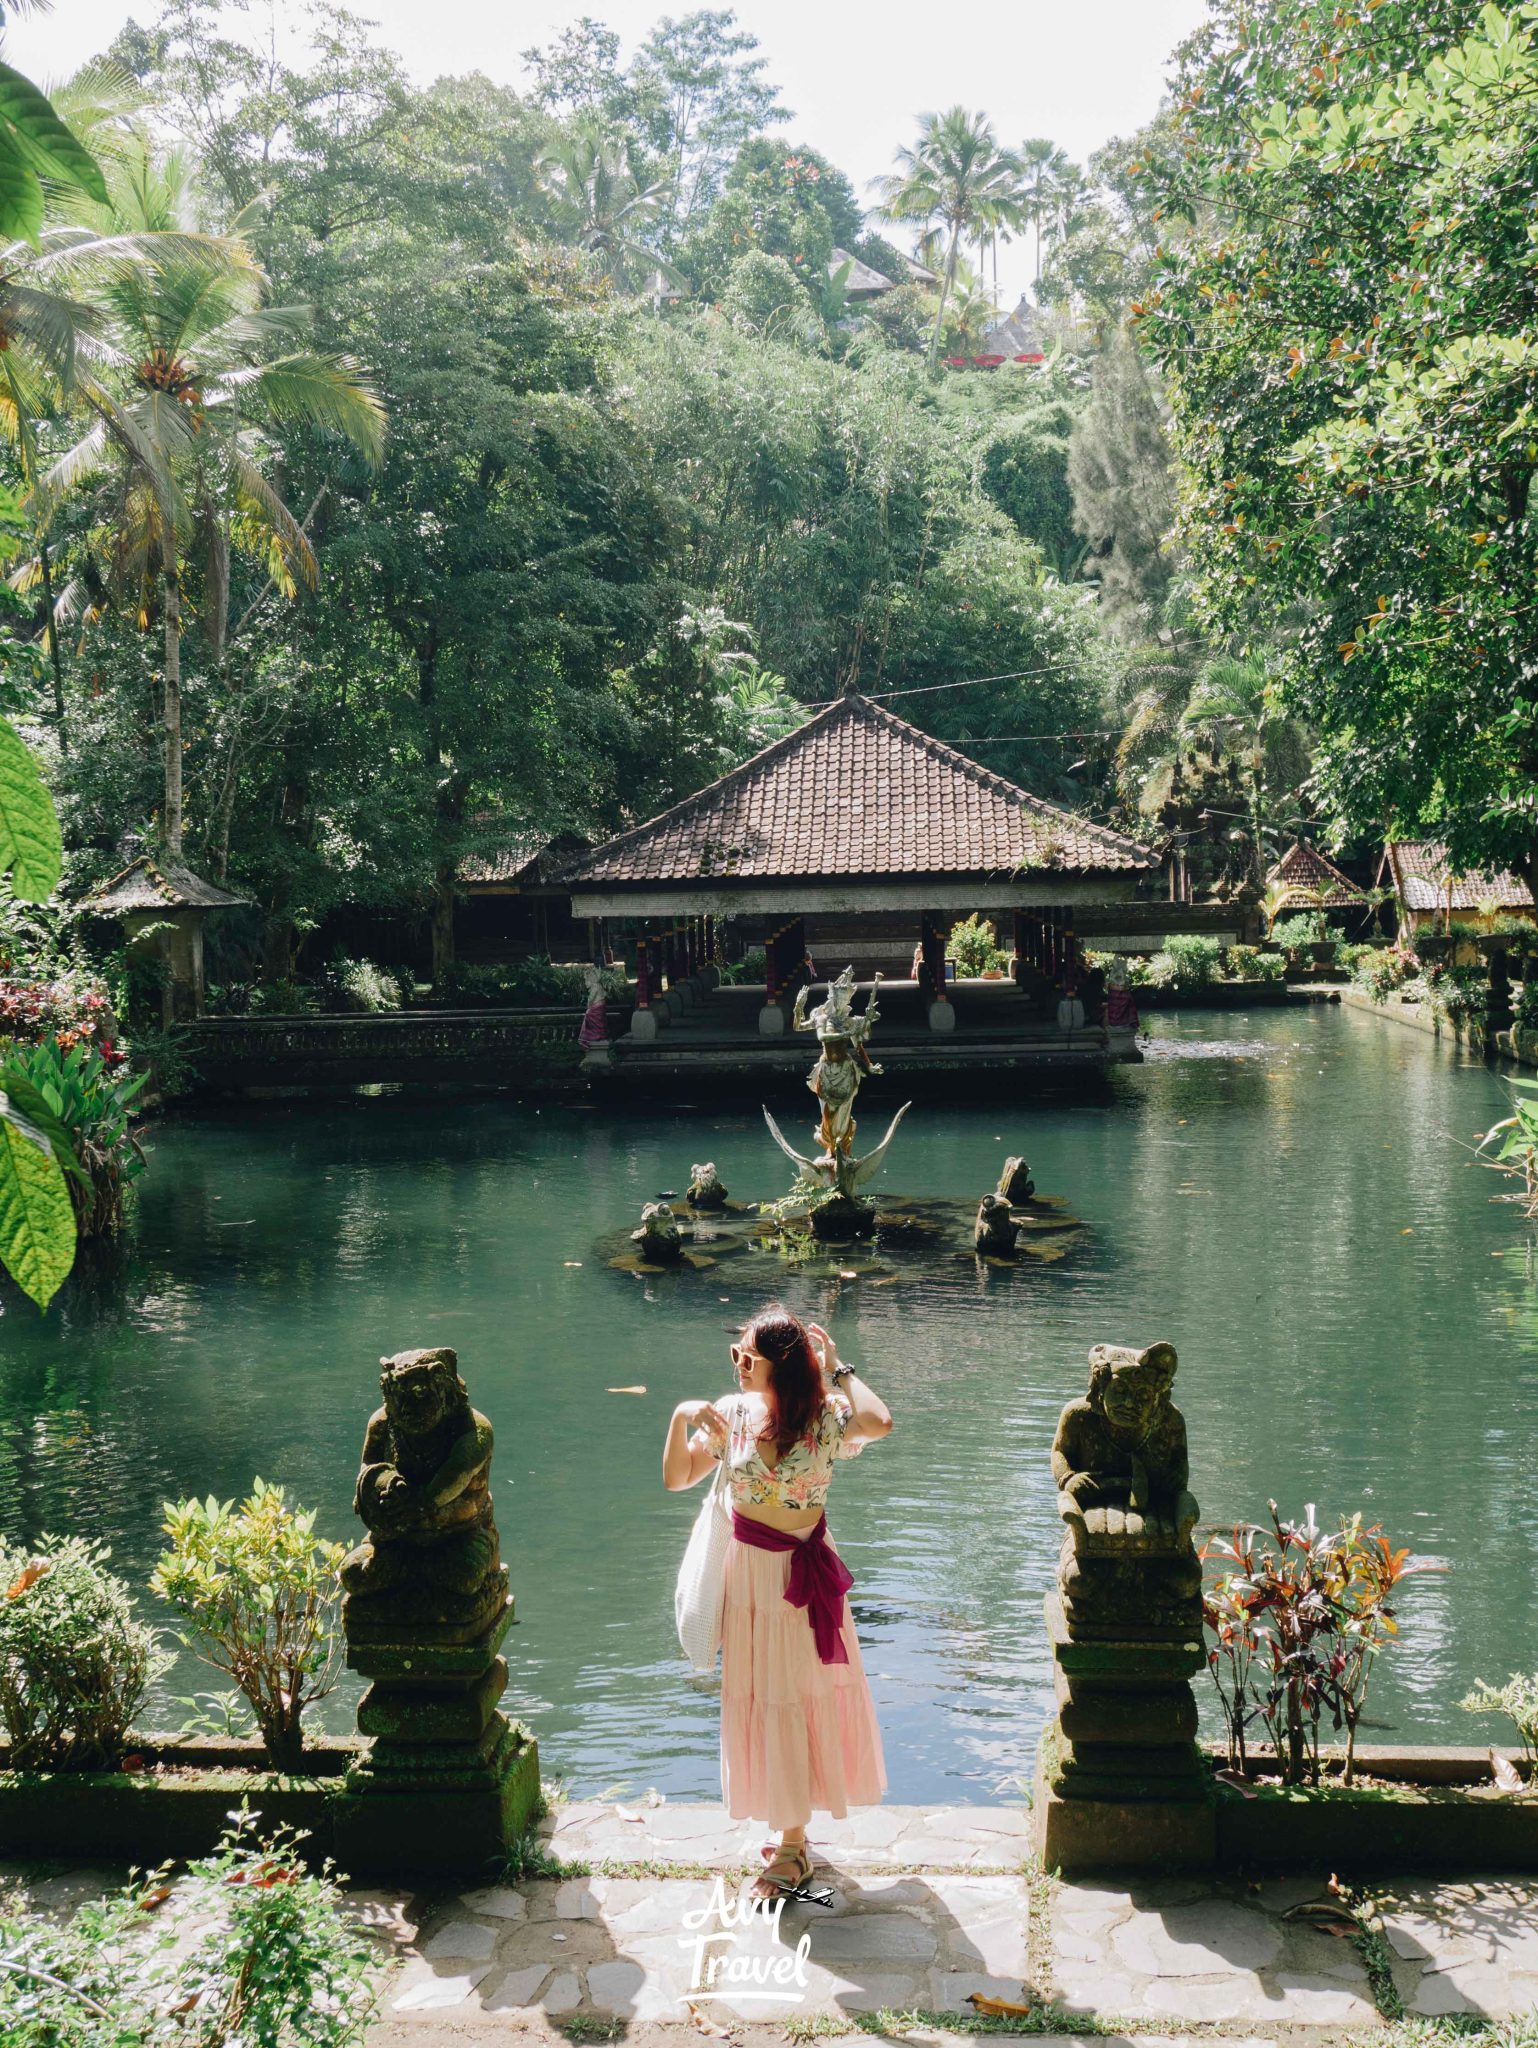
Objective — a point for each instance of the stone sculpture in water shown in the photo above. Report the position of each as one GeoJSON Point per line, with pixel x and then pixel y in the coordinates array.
{"type": "Point", "coordinates": [705, 1187]}
{"type": "Point", "coordinates": [659, 1239]}
{"type": "Point", "coordinates": [843, 1061]}
{"type": "Point", "coordinates": [996, 1229]}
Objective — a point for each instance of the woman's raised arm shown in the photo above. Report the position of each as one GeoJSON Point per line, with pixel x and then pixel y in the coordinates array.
{"type": "Point", "coordinates": [684, 1464]}
{"type": "Point", "coordinates": [869, 1414]}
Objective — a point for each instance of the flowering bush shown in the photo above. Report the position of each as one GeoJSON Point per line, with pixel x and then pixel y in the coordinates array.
{"type": "Point", "coordinates": [72, 1008]}
{"type": "Point", "coordinates": [1380, 972]}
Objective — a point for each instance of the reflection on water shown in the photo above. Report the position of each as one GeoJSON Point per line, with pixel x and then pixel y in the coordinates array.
{"type": "Point", "coordinates": [1298, 1209]}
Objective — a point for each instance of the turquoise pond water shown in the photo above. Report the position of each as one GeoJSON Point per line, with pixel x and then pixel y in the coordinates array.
{"type": "Point", "coordinates": [1288, 1195]}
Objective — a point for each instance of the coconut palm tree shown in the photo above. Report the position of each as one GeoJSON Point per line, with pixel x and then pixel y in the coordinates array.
{"type": "Point", "coordinates": [601, 203]}
{"type": "Point", "coordinates": [187, 424]}
{"type": "Point", "coordinates": [1043, 166]}
{"type": "Point", "coordinates": [52, 310]}
{"type": "Point", "coordinates": [955, 183]}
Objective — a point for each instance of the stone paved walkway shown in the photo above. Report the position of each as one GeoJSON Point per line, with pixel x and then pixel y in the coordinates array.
{"type": "Point", "coordinates": [933, 1908]}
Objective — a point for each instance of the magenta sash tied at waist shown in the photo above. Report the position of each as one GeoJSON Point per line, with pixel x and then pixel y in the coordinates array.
{"type": "Point", "coordinates": [818, 1581]}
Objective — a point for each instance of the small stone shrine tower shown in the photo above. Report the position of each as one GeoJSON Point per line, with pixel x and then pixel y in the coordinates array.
{"type": "Point", "coordinates": [1120, 1780]}
{"type": "Point", "coordinates": [447, 1782]}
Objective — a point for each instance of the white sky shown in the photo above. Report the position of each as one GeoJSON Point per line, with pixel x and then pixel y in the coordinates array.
{"type": "Point", "coordinates": [856, 72]}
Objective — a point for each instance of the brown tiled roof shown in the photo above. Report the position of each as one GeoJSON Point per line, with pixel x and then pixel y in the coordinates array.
{"type": "Point", "coordinates": [1304, 877]}
{"type": "Point", "coordinates": [502, 863]}
{"type": "Point", "coordinates": [1422, 865]}
{"type": "Point", "coordinates": [857, 791]}
{"type": "Point", "coordinates": [151, 884]}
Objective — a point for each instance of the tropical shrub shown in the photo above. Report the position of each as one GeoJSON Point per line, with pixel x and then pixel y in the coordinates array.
{"type": "Point", "coordinates": [1270, 966]}
{"type": "Point", "coordinates": [1242, 963]}
{"type": "Point", "coordinates": [284, 997]}
{"type": "Point", "coordinates": [1384, 969]}
{"type": "Point", "coordinates": [752, 968]}
{"type": "Point", "coordinates": [973, 945]}
{"type": "Point", "coordinates": [1527, 1007]}
{"type": "Point", "coordinates": [1518, 1700]}
{"type": "Point", "coordinates": [532, 984]}
{"type": "Point", "coordinates": [75, 1660]}
{"type": "Point", "coordinates": [259, 1589]}
{"type": "Point", "coordinates": [1193, 959]}
{"type": "Point", "coordinates": [1461, 993]}
{"type": "Point", "coordinates": [361, 985]}
{"type": "Point", "coordinates": [1295, 934]}
{"type": "Point", "coordinates": [1297, 1618]}
{"type": "Point", "coordinates": [91, 1100]}
{"type": "Point", "coordinates": [247, 1950]}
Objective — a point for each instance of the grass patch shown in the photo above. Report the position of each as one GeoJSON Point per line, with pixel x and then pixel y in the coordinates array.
{"type": "Point", "coordinates": [1375, 1952]}
{"type": "Point", "coordinates": [1521, 2032]}
{"type": "Point", "coordinates": [592, 2026]}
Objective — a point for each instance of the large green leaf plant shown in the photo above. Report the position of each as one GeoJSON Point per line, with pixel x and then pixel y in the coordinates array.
{"type": "Point", "coordinates": [37, 1218]}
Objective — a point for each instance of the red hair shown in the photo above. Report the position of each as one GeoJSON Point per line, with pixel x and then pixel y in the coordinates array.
{"type": "Point", "coordinates": [795, 1393]}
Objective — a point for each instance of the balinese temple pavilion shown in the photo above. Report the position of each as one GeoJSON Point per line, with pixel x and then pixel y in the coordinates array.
{"type": "Point", "coordinates": [859, 840]}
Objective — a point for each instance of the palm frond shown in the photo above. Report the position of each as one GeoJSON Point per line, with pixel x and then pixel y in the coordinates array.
{"type": "Point", "coordinates": [288, 551]}
{"type": "Point", "coordinates": [324, 391]}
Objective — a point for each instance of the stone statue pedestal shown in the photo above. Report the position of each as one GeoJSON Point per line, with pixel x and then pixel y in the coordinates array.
{"type": "Point", "coordinates": [643, 1026]}
{"type": "Point", "coordinates": [845, 1216]}
{"type": "Point", "coordinates": [447, 1783]}
{"type": "Point", "coordinates": [771, 1021]}
{"type": "Point", "coordinates": [1120, 1781]}
{"type": "Point", "coordinates": [942, 1015]}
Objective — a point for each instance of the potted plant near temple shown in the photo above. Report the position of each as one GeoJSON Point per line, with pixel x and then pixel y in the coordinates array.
{"type": "Point", "coordinates": [1436, 943]}
{"type": "Point", "coordinates": [1297, 937]}
{"type": "Point", "coordinates": [1505, 934]}
{"type": "Point", "coordinates": [974, 948]}
{"type": "Point", "coordinates": [1324, 945]}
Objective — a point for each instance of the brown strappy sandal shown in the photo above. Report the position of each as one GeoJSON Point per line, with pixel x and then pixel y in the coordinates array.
{"type": "Point", "coordinates": [790, 1867]}
{"type": "Point", "coordinates": [769, 1850]}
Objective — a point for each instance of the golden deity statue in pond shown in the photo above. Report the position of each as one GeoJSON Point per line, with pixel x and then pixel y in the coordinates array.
{"type": "Point", "coordinates": [843, 1061]}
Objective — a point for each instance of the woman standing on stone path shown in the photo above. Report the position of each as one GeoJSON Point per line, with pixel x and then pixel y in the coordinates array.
{"type": "Point", "coordinates": [798, 1725]}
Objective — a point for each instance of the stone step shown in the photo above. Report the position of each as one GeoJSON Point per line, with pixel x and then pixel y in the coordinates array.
{"type": "Point", "coordinates": [977, 1838]}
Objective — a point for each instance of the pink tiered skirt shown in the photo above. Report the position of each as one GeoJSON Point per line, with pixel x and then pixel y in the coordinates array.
{"type": "Point", "coordinates": [797, 1735]}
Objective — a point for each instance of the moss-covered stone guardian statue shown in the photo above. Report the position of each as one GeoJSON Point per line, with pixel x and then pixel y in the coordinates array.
{"type": "Point", "coordinates": [1124, 1444]}
{"type": "Point", "coordinates": [424, 1495]}
{"type": "Point", "coordinates": [705, 1187]}
{"type": "Point", "coordinates": [1121, 1779]}
{"type": "Point", "coordinates": [447, 1782]}
{"type": "Point", "coordinates": [659, 1240]}
{"type": "Point", "coordinates": [996, 1230]}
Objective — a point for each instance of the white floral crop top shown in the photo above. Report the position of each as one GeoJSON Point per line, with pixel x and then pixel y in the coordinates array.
{"type": "Point", "coordinates": [801, 1476]}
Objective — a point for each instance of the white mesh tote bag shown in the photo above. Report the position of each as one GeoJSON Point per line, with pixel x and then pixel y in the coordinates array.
{"type": "Point", "coordinates": [701, 1588]}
